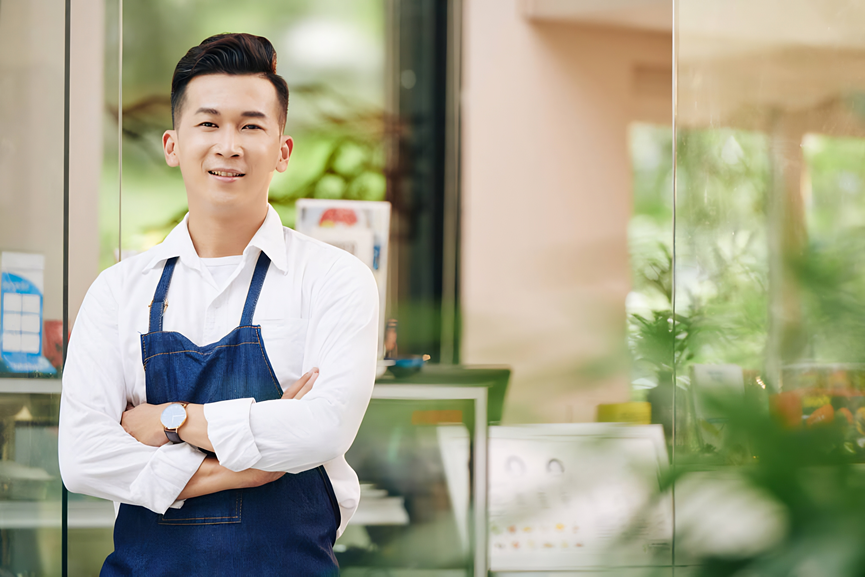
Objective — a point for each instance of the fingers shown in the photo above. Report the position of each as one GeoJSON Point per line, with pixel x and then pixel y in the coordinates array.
{"type": "Point", "coordinates": [308, 386]}
{"type": "Point", "coordinates": [292, 391]}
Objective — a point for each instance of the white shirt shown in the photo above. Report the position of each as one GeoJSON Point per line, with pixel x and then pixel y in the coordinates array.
{"type": "Point", "coordinates": [318, 308]}
{"type": "Point", "coordinates": [221, 268]}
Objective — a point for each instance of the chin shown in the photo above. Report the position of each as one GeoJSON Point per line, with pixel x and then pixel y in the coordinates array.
{"type": "Point", "coordinates": [235, 200]}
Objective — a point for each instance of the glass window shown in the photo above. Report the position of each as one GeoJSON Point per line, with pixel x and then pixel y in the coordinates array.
{"type": "Point", "coordinates": [32, 287]}
{"type": "Point", "coordinates": [768, 282]}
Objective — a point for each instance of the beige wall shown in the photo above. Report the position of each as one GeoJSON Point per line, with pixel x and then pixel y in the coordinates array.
{"type": "Point", "coordinates": [86, 105]}
{"type": "Point", "coordinates": [31, 138]}
{"type": "Point", "coordinates": [32, 71]}
{"type": "Point", "coordinates": [546, 201]}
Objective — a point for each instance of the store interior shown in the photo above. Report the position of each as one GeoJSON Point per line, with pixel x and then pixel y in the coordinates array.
{"type": "Point", "coordinates": [617, 246]}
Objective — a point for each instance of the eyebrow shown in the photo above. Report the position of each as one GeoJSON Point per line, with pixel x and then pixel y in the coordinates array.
{"type": "Point", "coordinates": [245, 114]}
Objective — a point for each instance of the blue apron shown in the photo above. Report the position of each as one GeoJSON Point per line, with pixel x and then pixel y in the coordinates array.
{"type": "Point", "coordinates": [286, 527]}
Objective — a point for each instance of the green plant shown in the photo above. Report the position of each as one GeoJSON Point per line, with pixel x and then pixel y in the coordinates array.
{"type": "Point", "coordinates": [807, 478]}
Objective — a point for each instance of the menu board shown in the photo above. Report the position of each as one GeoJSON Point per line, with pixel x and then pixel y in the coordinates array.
{"type": "Point", "coordinates": [571, 496]}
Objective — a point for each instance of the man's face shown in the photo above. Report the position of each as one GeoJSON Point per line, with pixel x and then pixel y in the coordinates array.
{"type": "Point", "coordinates": [227, 142]}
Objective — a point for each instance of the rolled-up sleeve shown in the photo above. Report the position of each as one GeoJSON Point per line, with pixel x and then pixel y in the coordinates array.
{"type": "Point", "coordinates": [97, 456]}
{"type": "Point", "coordinates": [297, 435]}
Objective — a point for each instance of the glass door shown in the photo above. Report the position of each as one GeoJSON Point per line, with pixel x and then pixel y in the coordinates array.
{"type": "Point", "coordinates": [33, 173]}
{"type": "Point", "coordinates": [770, 207]}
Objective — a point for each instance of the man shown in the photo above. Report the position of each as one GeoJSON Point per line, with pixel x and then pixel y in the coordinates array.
{"type": "Point", "coordinates": [214, 383]}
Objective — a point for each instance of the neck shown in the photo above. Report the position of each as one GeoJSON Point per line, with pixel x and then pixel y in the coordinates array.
{"type": "Point", "coordinates": [221, 234]}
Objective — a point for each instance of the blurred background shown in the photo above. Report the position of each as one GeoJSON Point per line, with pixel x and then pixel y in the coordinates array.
{"type": "Point", "coordinates": [626, 233]}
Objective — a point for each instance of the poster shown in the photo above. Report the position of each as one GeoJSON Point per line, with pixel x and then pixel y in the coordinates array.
{"type": "Point", "coordinates": [360, 227]}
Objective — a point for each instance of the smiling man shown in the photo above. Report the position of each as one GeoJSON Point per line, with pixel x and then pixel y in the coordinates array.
{"type": "Point", "coordinates": [214, 383]}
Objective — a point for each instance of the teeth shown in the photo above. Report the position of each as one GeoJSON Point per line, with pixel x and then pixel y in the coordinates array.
{"type": "Point", "coordinates": [220, 173]}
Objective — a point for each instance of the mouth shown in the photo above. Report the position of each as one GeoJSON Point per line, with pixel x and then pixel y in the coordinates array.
{"type": "Point", "coordinates": [226, 174]}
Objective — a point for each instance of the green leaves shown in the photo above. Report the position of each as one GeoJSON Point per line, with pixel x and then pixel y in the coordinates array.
{"type": "Point", "coordinates": [662, 340]}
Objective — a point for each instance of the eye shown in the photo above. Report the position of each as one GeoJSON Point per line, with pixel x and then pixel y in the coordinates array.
{"type": "Point", "coordinates": [253, 126]}
{"type": "Point", "coordinates": [208, 125]}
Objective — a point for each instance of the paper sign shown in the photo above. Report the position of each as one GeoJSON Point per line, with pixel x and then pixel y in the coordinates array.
{"type": "Point", "coordinates": [21, 286]}
{"type": "Point", "coordinates": [565, 497]}
{"type": "Point", "coordinates": [359, 227]}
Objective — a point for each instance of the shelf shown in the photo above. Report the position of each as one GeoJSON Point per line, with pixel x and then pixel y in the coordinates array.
{"type": "Point", "coordinates": [47, 514]}
{"type": "Point", "coordinates": [30, 386]}
{"type": "Point", "coordinates": [380, 511]}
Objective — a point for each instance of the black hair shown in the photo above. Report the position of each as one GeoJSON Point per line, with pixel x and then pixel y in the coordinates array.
{"type": "Point", "coordinates": [235, 53]}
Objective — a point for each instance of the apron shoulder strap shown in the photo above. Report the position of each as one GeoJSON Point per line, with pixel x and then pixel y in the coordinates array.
{"type": "Point", "coordinates": [157, 307]}
{"type": "Point", "coordinates": [255, 289]}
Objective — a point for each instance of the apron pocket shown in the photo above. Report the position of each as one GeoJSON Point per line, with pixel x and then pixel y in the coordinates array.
{"type": "Point", "coordinates": [214, 509]}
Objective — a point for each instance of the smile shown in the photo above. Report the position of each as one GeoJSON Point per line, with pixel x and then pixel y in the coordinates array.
{"type": "Point", "coordinates": [225, 174]}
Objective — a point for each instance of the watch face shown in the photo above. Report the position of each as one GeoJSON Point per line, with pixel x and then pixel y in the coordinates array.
{"type": "Point", "coordinates": [173, 416]}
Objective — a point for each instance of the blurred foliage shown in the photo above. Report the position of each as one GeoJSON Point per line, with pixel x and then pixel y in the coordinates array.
{"type": "Point", "coordinates": [832, 287]}
{"type": "Point", "coordinates": [722, 254]}
{"type": "Point", "coordinates": [805, 479]}
{"type": "Point", "coordinates": [662, 340]}
{"type": "Point", "coordinates": [348, 161]}
{"type": "Point", "coordinates": [808, 475]}
{"type": "Point", "coordinates": [332, 56]}
{"type": "Point", "coordinates": [720, 247]}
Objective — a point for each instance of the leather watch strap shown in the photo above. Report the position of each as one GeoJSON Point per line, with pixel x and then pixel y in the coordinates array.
{"type": "Point", "coordinates": [172, 434]}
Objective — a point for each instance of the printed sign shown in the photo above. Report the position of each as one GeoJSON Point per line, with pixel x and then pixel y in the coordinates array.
{"type": "Point", "coordinates": [21, 314]}
{"type": "Point", "coordinates": [567, 497]}
{"type": "Point", "coordinates": [360, 227]}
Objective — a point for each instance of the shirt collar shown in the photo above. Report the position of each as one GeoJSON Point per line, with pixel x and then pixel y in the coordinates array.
{"type": "Point", "coordinates": [269, 239]}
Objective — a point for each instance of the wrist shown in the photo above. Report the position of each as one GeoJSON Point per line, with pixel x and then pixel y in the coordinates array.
{"type": "Point", "coordinates": [172, 417]}
{"type": "Point", "coordinates": [194, 430]}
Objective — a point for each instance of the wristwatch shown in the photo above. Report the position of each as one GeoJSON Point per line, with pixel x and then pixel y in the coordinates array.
{"type": "Point", "coordinates": [173, 416]}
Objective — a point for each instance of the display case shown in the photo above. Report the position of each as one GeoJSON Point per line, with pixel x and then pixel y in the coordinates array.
{"type": "Point", "coordinates": [421, 459]}
{"type": "Point", "coordinates": [420, 456]}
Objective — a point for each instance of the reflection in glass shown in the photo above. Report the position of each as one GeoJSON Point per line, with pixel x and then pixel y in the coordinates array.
{"type": "Point", "coordinates": [32, 75]}
{"type": "Point", "coordinates": [413, 460]}
{"type": "Point", "coordinates": [768, 274]}
{"type": "Point", "coordinates": [333, 62]}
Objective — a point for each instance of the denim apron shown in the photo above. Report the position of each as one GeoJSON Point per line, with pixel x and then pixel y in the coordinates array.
{"type": "Point", "coordinates": [286, 527]}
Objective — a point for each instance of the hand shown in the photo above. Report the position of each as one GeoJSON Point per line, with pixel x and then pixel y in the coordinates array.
{"type": "Point", "coordinates": [212, 477]}
{"type": "Point", "coordinates": [144, 423]}
{"type": "Point", "coordinates": [301, 386]}
{"type": "Point", "coordinates": [257, 477]}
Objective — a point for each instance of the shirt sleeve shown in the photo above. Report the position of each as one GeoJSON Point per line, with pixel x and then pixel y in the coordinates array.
{"type": "Point", "coordinates": [297, 435]}
{"type": "Point", "coordinates": [97, 456]}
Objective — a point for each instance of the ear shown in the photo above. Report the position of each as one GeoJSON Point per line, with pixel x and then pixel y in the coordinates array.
{"type": "Point", "coordinates": [169, 147]}
{"type": "Point", "coordinates": [285, 148]}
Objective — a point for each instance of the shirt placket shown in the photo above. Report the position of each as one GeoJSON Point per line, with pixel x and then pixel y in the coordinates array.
{"type": "Point", "coordinates": [217, 320]}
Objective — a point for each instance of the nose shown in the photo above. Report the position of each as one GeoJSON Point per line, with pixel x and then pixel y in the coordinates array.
{"type": "Point", "coordinates": [227, 145]}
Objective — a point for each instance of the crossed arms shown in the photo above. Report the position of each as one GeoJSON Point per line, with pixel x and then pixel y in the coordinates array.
{"type": "Point", "coordinates": [101, 457]}
{"type": "Point", "coordinates": [143, 423]}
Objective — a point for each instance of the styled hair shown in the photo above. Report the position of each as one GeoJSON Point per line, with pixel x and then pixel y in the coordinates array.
{"type": "Point", "coordinates": [236, 54]}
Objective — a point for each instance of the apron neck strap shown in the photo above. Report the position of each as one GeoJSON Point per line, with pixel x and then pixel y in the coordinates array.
{"type": "Point", "coordinates": [255, 289]}
{"type": "Point", "coordinates": [157, 307]}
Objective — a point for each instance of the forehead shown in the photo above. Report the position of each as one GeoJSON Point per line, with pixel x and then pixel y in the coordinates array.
{"type": "Point", "coordinates": [229, 93]}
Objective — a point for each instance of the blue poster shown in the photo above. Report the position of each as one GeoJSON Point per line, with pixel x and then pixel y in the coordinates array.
{"type": "Point", "coordinates": [21, 327]}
